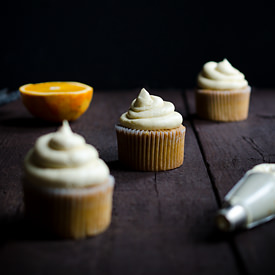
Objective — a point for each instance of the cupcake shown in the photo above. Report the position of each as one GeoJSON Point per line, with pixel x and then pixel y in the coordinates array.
{"type": "Point", "coordinates": [223, 93]}
{"type": "Point", "coordinates": [67, 187]}
{"type": "Point", "coordinates": [150, 136]}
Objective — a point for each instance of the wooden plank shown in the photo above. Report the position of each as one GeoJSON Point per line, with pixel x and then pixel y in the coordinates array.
{"type": "Point", "coordinates": [230, 149]}
{"type": "Point", "coordinates": [161, 223]}
{"type": "Point", "coordinates": [172, 218]}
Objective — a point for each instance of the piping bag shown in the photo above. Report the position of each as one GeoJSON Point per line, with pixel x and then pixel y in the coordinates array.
{"type": "Point", "coordinates": [251, 201]}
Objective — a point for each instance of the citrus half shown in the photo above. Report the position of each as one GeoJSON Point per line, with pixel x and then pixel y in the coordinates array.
{"type": "Point", "coordinates": [57, 101]}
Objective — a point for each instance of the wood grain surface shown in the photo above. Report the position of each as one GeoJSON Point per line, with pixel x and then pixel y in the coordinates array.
{"type": "Point", "coordinates": [162, 223]}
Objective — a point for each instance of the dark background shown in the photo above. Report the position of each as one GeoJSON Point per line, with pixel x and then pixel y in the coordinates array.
{"type": "Point", "coordinates": [130, 44]}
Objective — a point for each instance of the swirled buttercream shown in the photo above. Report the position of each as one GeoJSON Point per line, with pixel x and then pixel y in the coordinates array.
{"type": "Point", "coordinates": [220, 76]}
{"type": "Point", "coordinates": [149, 112]}
{"type": "Point", "coordinates": [64, 159]}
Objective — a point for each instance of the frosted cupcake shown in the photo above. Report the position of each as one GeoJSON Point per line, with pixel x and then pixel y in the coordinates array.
{"type": "Point", "coordinates": [67, 188]}
{"type": "Point", "coordinates": [150, 135]}
{"type": "Point", "coordinates": [223, 93]}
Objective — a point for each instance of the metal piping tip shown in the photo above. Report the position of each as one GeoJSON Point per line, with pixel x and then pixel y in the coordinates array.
{"type": "Point", "coordinates": [231, 218]}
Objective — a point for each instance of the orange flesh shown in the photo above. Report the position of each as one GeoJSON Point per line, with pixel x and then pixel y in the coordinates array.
{"type": "Point", "coordinates": [53, 87]}
{"type": "Point", "coordinates": [57, 101]}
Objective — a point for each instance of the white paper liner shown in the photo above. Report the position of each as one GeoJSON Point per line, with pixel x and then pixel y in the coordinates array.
{"type": "Point", "coordinates": [70, 212]}
{"type": "Point", "coordinates": [232, 105]}
{"type": "Point", "coordinates": [151, 150]}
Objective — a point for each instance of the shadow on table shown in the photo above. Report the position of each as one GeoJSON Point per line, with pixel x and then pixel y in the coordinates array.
{"type": "Point", "coordinates": [204, 229]}
{"type": "Point", "coordinates": [27, 122]}
{"type": "Point", "coordinates": [22, 230]}
{"type": "Point", "coordinates": [117, 166]}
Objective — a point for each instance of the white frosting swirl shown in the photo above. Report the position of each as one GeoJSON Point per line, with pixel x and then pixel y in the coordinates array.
{"type": "Point", "coordinates": [149, 112]}
{"type": "Point", "coordinates": [221, 76]}
{"type": "Point", "coordinates": [63, 159]}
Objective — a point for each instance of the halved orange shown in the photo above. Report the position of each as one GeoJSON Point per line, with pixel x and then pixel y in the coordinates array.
{"type": "Point", "coordinates": [57, 101]}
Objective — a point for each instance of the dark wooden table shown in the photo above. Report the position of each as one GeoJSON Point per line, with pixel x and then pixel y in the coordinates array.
{"type": "Point", "coordinates": [162, 223]}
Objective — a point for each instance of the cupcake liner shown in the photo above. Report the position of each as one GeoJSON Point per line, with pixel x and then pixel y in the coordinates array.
{"type": "Point", "coordinates": [70, 212]}
{"type": "Point", "coordinates": [148, 150]}
{"type": "Point", "coordinates": [229, 105]}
